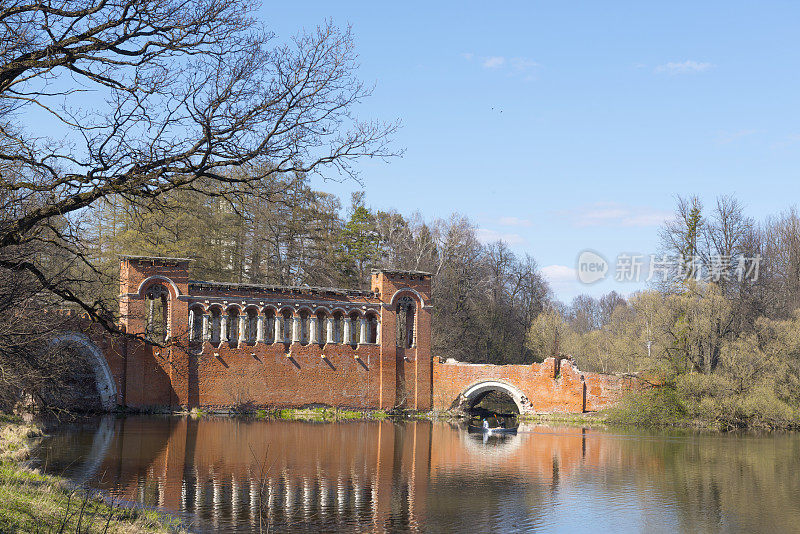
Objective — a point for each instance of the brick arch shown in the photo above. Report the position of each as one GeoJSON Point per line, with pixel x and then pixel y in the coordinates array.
{"type": "Point", "coordinates": [104, 381]}
{"type": "Point", "coordinates": [413, 293]}
{"type": "Point", "coordinates": [472, 394]}
{"type": "Point", "coordinates": [158, 279]}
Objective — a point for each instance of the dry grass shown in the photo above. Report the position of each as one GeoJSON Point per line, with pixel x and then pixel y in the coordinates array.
{"type": "Point", "coordinates": [33, 502]}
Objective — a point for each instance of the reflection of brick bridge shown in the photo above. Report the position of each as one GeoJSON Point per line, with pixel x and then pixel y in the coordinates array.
{"type": "Point", "coordinates": [234, 345]}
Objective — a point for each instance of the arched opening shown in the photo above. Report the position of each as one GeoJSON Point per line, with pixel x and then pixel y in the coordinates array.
{"type": "Point", "coordinates": [93, 369]}
{"type": "Point", "coordinates": [355, 328]}
{"type": "Point", "coordinates": [232, 326]}
{"type": "Point", "coordinates": [406, 311]}
{"type": "Point", "coordinates": [251, 326]}
{"type": "Point", "coordinates": [196, 323]}
{"type": "Point", "coordinates": [372, 328]}
{"type": "Point", "coordinates": [269, 326]}
{"type": "Point", "coordinates": [288, 324]}
{"type": "Point", "coordinates": [496, 402]}
{"type": "Point", "coordinates": [322, 327]}
{"type": "Point", "coordinates": [156, 300]}
{"type": "Point", "coordinates": [216, 325]}
{"type": "Point", "coordinates": [305, 326]}
{"type": "Point", "coordinates": [338, 327]}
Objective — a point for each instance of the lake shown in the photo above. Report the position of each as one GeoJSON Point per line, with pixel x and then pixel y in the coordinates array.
{"type": "Point", "coordinates": [247, 475]}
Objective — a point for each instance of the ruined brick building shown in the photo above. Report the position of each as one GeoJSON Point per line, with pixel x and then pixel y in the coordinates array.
{"type": "Point", "coordinates": [226, 346]}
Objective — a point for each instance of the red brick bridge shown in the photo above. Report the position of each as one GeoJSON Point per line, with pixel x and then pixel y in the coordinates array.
{"type": "Point", "coordinates": [238, 346]}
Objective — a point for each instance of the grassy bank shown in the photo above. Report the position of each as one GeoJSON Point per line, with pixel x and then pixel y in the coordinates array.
{"type": "Point", "coordinates": [33, 502]}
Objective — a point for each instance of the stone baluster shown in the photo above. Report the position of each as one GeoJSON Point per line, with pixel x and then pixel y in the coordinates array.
{"type": "Point", "coordinates": [329, 336]}
{"type": "Point", "coordinates": [297, 328]}
{"type": "Point", "coordinates": [242, 328]}
{"type": "Point", "coordinates": [223, 327]}
{"type": "Point", "coordinates": [346, 335]}
{"type": "Point", "coordinates": [206, 327]}
{"type": "Point", "coordinates": [260, 328]}
{"type": "Point", "coordinates": [362, 330]}
{"type": "Point", "coordinates": [312, 330]}
{"type": "Point", "coordinates": [192, 334]}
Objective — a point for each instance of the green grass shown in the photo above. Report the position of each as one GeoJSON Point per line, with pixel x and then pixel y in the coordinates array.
{"type": "Point", "coordinates": [324, 414]}
{"type": "Point", "coordinates": [33, 502]}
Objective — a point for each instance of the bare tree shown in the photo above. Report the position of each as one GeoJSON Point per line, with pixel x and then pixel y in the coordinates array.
{"type": "Point", "coordinates": [147, 97]}
{"type": "Point", "coordinates": [138, 99]}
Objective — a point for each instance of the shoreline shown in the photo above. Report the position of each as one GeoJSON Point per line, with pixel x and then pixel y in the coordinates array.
{"type": "Point", "coordinates": [31, 501]}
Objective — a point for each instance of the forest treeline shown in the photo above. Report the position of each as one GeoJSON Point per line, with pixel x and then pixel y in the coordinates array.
{"type": "Point", "coordinates": [725, 348]}
{"type": "Point", "coordinates": [486, 297]}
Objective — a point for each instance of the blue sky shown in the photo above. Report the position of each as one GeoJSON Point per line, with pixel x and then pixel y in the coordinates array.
{"type": "Point", "coordinates": [566, 126]}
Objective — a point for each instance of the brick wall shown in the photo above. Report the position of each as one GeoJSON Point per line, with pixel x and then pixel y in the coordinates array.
{"type": "Point", "coordinates": [550, 386]}
{"type": "Point", "coordinates": [217, 375]}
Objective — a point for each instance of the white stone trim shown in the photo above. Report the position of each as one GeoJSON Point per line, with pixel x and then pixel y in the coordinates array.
{"type": "Point", "coordinates": [104, 380]}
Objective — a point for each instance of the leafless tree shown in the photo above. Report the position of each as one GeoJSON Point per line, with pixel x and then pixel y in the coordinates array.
{"type": "Point", "coordinates": [134, 99]}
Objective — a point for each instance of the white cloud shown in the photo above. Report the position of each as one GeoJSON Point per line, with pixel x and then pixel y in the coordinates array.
{"type": "Point", "coordinates": [559, 274]}
{"type": "Point", "coordinates": [523, 64]}
{"type": "Point", "coordinates": [485, 235]}
{"type": "Point", "coordinates": [683, 67]}
{"type": "Point", "coordinates": [615, 215]}
{"type": "Point", "coordinates": [514, 221]}
{"type": "Point", "coordinates": [494, 62]}
{"type": "Point", "coordinates": [729, 137]}
{"type": "Point", "coordinates": [789, 140]}
{"type": "Point", "coordinates": [514, 65]}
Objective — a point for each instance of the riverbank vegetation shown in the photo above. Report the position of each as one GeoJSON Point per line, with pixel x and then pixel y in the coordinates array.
{"type": "Point", "coordinates": [725, 351]}
{"type": "Point", "coordinates": [33, 502]}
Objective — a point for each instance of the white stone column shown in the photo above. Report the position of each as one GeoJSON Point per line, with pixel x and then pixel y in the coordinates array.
{"type": "Point", "coordinates": [223, 327]}
{"type": "Point", "coordinates": [278, 329]}
{"type": "Point", "coordinates": [297, 328]}
{"type": "Point", "coordinates": [260, 329]}
{"type": "Point", "coordinates": [377, 331]}
{"type": "Point", "coordinates": [329, 336]}
{"type": "Point", "coordinates": [192, 334]}
{"type": "Point", "coordinates": [362, 331]}
{"type": "Point", "coordinates": [312, 330]}
{"type": "Point", "coordinates": [242, 328]}
{"type": "Point", "coordinates": [346, 336]}
{"type": "Point", "coordinates": [206, 326]}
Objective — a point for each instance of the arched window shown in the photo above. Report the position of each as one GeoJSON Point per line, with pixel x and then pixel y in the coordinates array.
{"type": "Point", "coordinates": [305, 325]}
{"type": "Point", "coordinates": [196, 323]}
{"type": "Point", "coordinates": [288, 324]}
{"type": "Point", "coordinates": [216, 325]}
{"type": "Point", "coordinates": [355, 328]}
{"type": "Point", "coordinates": [406, 309]}
{"type": "Point", "coordinates": [372, 328]}
{"type": "Point", "coordinates": [156, 307]}
{"type": "Point", "coordinates": [232, 318]}
{"type": "Point", "coordinates": [252, 326]}
{"type": "Point", "coordinates": [269, 327]}
{"type": "Point", "coordinates": [338, 327]}
{"type": "Point", "coordinates": [322, 327]}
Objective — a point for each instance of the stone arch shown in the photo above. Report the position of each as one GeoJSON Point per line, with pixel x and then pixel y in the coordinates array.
{"type": "Point", "coordinates": [475, 392]}
{"type": "Point", "coordinates": [104, 380]}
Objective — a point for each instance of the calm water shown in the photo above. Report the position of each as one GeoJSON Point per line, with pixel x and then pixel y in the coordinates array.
{"type": "Point", "coordinates": [230, 475]}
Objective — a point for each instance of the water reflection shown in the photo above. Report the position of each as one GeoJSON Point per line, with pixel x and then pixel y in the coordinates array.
{"type": "Point", "coordinates": [229, 474]}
